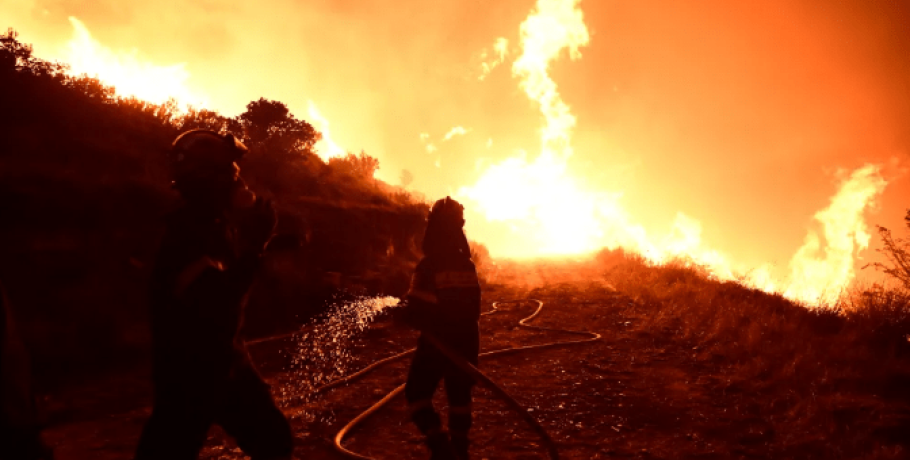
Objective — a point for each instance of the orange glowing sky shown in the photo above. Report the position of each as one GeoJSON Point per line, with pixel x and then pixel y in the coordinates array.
{"type": "Point", "coordinates": [742, 115]}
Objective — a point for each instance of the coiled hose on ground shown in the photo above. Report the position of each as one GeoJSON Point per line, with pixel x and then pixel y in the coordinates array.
{"type": "Point", "coordinates": [467, 367]}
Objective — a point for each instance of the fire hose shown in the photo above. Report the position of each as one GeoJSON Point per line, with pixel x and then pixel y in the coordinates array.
{"type": "Point", "coordinates": [470, 369]}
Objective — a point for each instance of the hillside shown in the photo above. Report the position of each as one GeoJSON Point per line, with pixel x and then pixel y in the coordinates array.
{"type": "Point", "coordinates": [687, 366]}
{"type": "Point", "coordinates": [664, 382]}
{"type": "Point", "coordinates": [84, 187]}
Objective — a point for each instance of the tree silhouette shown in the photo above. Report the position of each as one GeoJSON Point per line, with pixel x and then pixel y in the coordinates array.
{"type": "Point", "coordinates": [360, 166]}
{"type": "Point", "coordinates": [207, 119]}
{"type": "Point", "coordinates": [19, 56]}
{"type": "Point", "coordinates": [897, 254]}
{"type": "Point", "coordinates": [8, 56]}
{"type": "Point", "coordinates": [270, 126]}
{"type": "Point", "coordinates": [92, 87]}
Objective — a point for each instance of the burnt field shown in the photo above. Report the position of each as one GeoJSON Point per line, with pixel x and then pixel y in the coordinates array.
{"type": "Point", "coordinates": [686, 368]}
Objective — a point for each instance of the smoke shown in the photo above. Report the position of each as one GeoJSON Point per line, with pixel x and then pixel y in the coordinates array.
{"type": "Point", "coordinates": [456, 131]}
{"type": "Point", "coordinates": [500, 50]}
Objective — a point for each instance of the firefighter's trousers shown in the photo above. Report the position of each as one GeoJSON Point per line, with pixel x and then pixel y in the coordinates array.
{"type": "Point", "coordinates": [242, 405]}
{"type": "Point", "coordinates": [429, 367]}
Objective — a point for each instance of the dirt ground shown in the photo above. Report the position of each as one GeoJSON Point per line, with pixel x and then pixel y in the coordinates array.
{"type": "Point", "coordinates": [632, 394]}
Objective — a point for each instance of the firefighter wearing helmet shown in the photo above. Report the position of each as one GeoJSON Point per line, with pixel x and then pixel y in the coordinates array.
{"type": "Point", "coordinates": [206, 264]}
{"type": "Point", "coordinates": [444, 301]}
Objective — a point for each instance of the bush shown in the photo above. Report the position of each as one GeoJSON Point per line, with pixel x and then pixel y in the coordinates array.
{"type": "Point", "coordinates": [486, 267]}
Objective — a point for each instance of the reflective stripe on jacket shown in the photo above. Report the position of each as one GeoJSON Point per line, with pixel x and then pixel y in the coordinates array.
{"type": "Point", "coordinates": [444, 291]}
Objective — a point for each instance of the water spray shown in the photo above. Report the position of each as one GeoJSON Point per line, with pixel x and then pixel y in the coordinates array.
{"type": "Point", "coordinates": [323, 353]}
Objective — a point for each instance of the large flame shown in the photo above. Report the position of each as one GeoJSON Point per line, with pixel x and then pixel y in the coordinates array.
{"type": "Point", "coordinates": [821, 272]}
{"type": "Point", "coordinates": [557, 217]}
{"type": "Point", "coordinates": [531, 203]}
{"type": "Point", "coordinates": [555, 25]}
{"type": "Point", "coordinates": [130, 75]}
{"type": "Point", "coordinates": [326, 148]}
{"type": "Point", "coordinates": [545, 211]}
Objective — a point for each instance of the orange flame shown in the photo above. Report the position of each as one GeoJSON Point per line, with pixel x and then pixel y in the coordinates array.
{"type": "Point", "coordinates": [326, 148]}
{"type": "Point", "coordinates": [819, 273]}
{"type": "Point", "coordinates": [126, 71]}
{"type": "Point", "coordinates": [547, 212]}
{"type": "Point", "coordinates": [562, 218]}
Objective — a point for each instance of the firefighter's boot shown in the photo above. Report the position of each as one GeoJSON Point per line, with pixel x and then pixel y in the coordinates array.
{"type": "Point", "coordinates": [460, 446]}
{"type": "Point", "coordinates": [440, 447]}
{"type": "Point", "coordinates": [460, 422]}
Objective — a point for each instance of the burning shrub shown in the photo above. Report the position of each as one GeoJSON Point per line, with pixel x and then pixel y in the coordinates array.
{"type": "Point", "coordinates": [897, 253]}
{"type": "Point", "coordinates": [482, 261]}
{"type": "Point", "coordinates": [360, 166]}
{"type": "Point", "coordinates": [882, 315]}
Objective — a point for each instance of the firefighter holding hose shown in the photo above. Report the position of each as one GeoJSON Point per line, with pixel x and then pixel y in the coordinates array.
{"type": "Point", "coordinates": [444, 303]}
{"type": "Point", "coordinates": [206, 264]}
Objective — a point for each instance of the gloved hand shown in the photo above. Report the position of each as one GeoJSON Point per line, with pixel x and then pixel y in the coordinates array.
{"type": "Point", "coordinates": [255, 226]}
{"type": "Point", "coordinates": [417, 316]}
{"type": "Point", "coordinates": [404, 314]}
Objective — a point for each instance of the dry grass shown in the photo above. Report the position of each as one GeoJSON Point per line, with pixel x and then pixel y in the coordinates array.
{"type": "Point", "coordinates": [813, 373]}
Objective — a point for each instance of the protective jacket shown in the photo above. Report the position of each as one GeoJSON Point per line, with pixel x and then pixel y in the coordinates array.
{"type": "Point", "coordinates": [201, 370]}
{"type": "Point", "coordinates": [199, 289]}
{"type": "Point", "coordinates": [444, 301]}
{"type": "Point", "coordinates": [444, 295]}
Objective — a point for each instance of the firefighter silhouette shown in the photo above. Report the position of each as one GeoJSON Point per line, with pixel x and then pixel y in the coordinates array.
{"type": "Point", "coordinates": [20, 425]}
{"type": "Point", "coordinates": [444, 301]}
{"type": "Point", "coordinates": [206, 264]}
